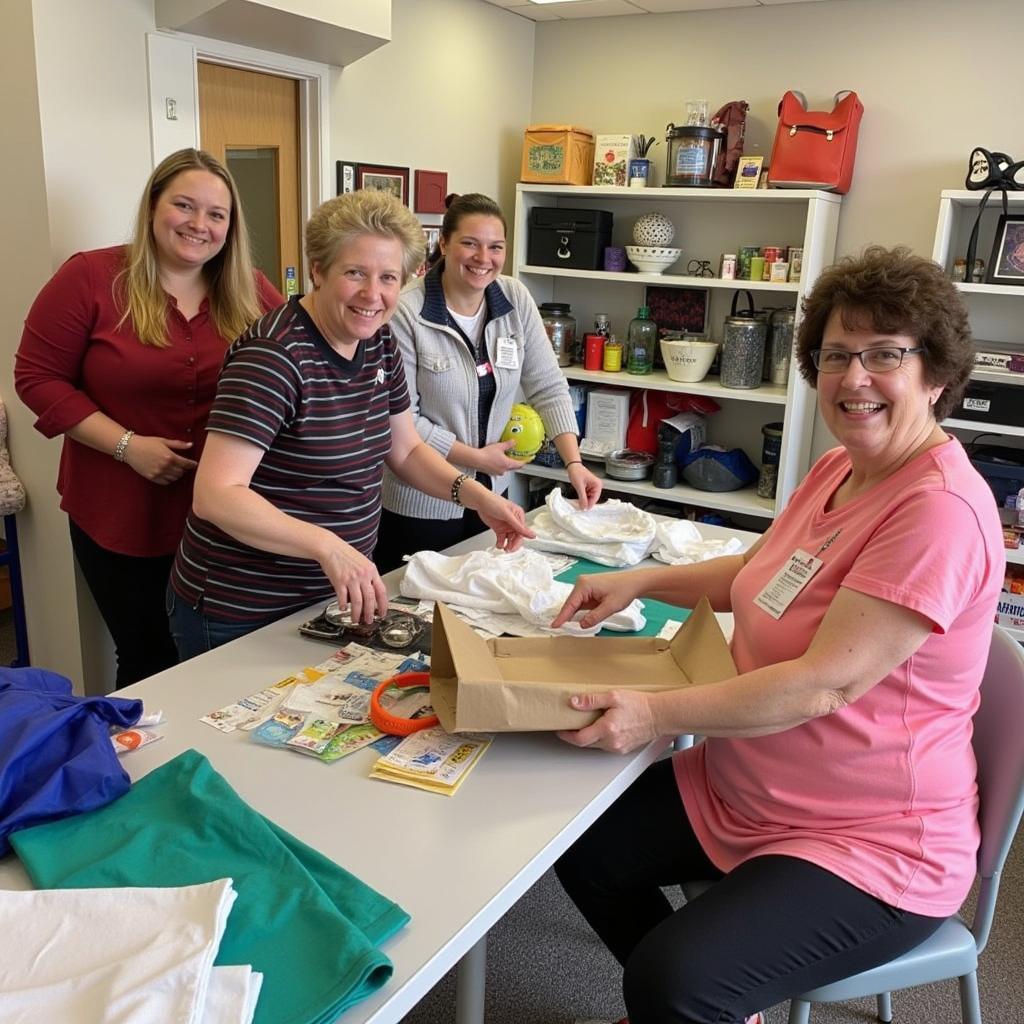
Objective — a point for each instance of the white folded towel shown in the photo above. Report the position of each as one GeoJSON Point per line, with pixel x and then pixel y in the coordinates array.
{"type": "Point", "coordinates": [612, 533]}
{"type": "Point", "coordinates": [112, 956]}
{"type": "Point", "coordinates": [503, 583]}
{"type": "Point", "coordinates": [679, 542]}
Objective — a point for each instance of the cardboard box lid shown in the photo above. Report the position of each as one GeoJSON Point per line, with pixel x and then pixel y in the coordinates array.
{"type": "Point", "coordinates": [576, 129]}
{"type": "Point", "coordinates": [523, 683]}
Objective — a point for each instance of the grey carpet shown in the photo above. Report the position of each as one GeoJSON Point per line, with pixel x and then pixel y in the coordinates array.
{"type": "Point", "coordinates": [545, 966]}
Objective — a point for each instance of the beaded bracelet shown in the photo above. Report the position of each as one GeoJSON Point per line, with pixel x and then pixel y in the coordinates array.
{"type": "Point", "coordinates": [121, 448]}
{"type": "Point", "coordinates": [457, 486]}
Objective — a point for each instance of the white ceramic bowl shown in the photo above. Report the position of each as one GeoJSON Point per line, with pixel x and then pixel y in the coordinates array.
{"type": "Point", "coordinates": [652, 259]}
{"type": "Point", "coordinates": [688, 359]}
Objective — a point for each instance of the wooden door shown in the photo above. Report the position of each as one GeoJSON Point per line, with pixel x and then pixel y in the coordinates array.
{"type": "Point", "coordinates": [250, 121]}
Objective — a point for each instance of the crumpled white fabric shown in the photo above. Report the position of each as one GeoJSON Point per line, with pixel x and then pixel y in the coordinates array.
{"type": "Point", "coordinates": [679, 542]}
{"type": "Point", "coordinates": [115, 956]}
{"type": "Point", "coordinates": [612, 533]}
{"type": "Point", "coordinates": [517, 583]}
{"type": "Point", "coordinates": [232, 995]}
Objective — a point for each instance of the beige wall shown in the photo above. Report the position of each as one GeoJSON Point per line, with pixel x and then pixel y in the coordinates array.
{"type": "Point", "coordinates": [81, 133]}
{"type": "Point", "coordinates": [450, 92]}
{"type": "Point", "coordinates": [914, 63]}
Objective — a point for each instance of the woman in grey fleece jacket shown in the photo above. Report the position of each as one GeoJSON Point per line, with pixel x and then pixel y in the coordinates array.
{"type": "Point", "coordinates": [470, 339]}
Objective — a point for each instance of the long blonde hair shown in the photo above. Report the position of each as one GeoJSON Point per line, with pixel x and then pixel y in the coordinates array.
{"type": "Point", "coordinates": [231, 288]}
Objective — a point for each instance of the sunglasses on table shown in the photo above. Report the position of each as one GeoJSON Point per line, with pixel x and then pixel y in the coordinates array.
{"type": "Point", "coordinates": [875, 360]}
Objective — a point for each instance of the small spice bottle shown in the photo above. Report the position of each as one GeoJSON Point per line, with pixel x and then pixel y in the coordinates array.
{"type": "Point", "coordinates": [612, 362]}
{"type": "Point", "coordinates": [959, 269]}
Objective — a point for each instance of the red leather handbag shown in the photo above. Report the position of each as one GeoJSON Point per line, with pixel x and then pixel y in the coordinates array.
{"type": "Point", "coordinates": [815, 148]}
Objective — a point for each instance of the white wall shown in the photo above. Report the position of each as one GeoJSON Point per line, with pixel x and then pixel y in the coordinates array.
{"type": "Point", "coordinates": [450, 92]}
{"type": "Point", "coordinates": [81, 133]}
{"type": "Point", "coordinates": [937, 77]}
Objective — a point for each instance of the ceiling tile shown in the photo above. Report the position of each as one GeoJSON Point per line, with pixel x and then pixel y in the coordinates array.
{"type": "Point", "coordinates": [595, 9]}
{"type": "Point", "coordinates": [535, 12]}
{"type": "Point", "coordinates": [672, 6]}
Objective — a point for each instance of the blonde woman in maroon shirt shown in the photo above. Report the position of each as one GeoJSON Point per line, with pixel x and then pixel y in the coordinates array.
{"type": "Point", "coordinates": [120, 354]}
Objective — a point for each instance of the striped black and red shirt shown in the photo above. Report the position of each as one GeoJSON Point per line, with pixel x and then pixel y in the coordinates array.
{"type": "Point", "coordinates": [323, 422]}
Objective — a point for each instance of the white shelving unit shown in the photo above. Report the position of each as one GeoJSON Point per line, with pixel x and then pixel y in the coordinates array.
{"type": "Point", "coordinates": [708, 222]}
{"type": "Point", "coordinates": [997, 311]}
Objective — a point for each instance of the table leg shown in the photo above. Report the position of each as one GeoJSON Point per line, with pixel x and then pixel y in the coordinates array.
{"type": "Point", "coordinates": [470, 982]}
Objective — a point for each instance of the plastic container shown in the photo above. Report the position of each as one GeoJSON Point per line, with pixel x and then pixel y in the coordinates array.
{"type": "Point", "coordinates": [641, 341]}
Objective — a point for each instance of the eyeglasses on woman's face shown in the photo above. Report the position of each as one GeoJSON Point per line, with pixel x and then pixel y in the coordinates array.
{"type": "Point", "coordinates": [874, 360]}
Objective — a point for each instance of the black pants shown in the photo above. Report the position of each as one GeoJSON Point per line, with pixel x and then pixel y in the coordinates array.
{"type": "Point", "coordinates": [129, 592]}
{"type": "Point", "coordinates": [772, 928]}
{"type": "Point", "coordinates": [403, 535]}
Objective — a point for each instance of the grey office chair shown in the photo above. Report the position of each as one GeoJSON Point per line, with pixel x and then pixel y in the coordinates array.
{"type": "Point", "coordinates": [953, 950]}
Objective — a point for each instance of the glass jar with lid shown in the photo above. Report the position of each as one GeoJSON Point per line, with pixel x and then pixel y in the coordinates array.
{"type": "Point", "coordinates": [641, 341]}
{"type": "Point", "coordinates": [560, 327]}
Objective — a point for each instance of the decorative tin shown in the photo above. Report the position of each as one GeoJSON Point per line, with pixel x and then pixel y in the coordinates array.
{"type": "Point", "coordinates": [742, 352]}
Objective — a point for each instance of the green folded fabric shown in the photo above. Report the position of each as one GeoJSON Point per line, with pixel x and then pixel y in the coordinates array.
{"type": "Point", "coordinates": [310, 926]}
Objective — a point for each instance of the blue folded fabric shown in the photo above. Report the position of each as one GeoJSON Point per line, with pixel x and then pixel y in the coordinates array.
{"type": "Point", "coordinates": [56, 758]}
{"type": "Point", "coordinates": [311, 927]}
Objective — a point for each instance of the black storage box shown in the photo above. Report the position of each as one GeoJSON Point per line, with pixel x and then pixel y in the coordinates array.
{"type": "Point", "coordinates": [1002, 468]}
{"type": "Point", "coordinates": [988, 402]}
{"type": "Point", "coordinates": [568, 238]}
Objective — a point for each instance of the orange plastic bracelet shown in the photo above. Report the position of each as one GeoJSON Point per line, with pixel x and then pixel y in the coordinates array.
{"type": "Point", "coordinates": [389, 723]}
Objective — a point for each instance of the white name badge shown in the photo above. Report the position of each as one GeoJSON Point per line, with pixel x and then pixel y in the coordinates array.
{"type": "Point", "coordinates": [508, 354]}
{"type": "Point", "coordinates": [782, 588]}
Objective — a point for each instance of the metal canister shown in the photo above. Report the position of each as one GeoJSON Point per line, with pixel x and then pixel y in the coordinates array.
{"type": "Point", "coordinates": [779, 349]}
{"type": "Point", "coordinates": [771, 450]}
{"type": "Point", "coordinates": [560, 327]}
{"type": "Point", "coordinates": [743, 341]}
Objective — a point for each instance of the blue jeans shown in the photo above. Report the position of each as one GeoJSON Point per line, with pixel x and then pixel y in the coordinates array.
{"type": "Point", "coordinates": [195, 633]}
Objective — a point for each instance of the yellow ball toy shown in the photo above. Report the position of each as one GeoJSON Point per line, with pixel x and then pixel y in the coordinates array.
{"type": "Point", "coordinates": [526, 428]}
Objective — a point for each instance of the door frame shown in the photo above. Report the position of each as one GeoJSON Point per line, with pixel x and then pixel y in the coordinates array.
{"type": "Point", "coordinates": [316, 180]}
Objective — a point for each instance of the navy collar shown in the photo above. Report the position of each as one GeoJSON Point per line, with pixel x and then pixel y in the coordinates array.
{"type": "Point", "coordinates": [435, 309]}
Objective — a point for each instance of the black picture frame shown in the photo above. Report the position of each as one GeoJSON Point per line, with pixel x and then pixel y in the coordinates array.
{"type": "Point", "coordinates": [679, 309]}
{"type": "Point", "coordinates": [384, 178]}
{"type": "Point", "coordinates": [346, 177]}
{"type": "Point", "coordinates": [1006, 265]}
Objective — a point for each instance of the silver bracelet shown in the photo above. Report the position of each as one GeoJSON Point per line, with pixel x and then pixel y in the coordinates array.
{"type": "Point", "coordinates": [121, 448]}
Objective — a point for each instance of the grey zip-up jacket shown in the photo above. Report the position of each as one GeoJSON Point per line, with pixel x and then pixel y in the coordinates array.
{"type": "Point", "coordinates": [443, 386]}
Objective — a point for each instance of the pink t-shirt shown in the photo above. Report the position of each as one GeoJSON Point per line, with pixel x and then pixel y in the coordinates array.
{"type": "Point", "coordinates": [881, 793]}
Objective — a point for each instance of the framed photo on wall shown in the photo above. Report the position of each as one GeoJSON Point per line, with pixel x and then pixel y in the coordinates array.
{"type": "Point", "coordinates": [383, 178]}
{"type": "Point", "coordinates": [1007, 263]}
{"type": "Point", "coordinates": [346, 173]}
{"type": "Point", "coordinates": [431, 188]}
{"type": "Point", "coordinates": [678, 309]}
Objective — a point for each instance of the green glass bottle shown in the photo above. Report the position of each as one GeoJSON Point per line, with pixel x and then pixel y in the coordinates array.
{"type": "Point", "coordinates": [641, 339]}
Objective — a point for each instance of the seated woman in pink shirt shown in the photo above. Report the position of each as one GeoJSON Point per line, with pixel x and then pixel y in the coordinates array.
{"type": "Point", "coordinates": [834, 800]}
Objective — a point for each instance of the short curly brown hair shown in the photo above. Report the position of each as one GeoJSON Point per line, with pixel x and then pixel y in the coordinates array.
{"type": "Point", "coordinates": [896, 292]}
